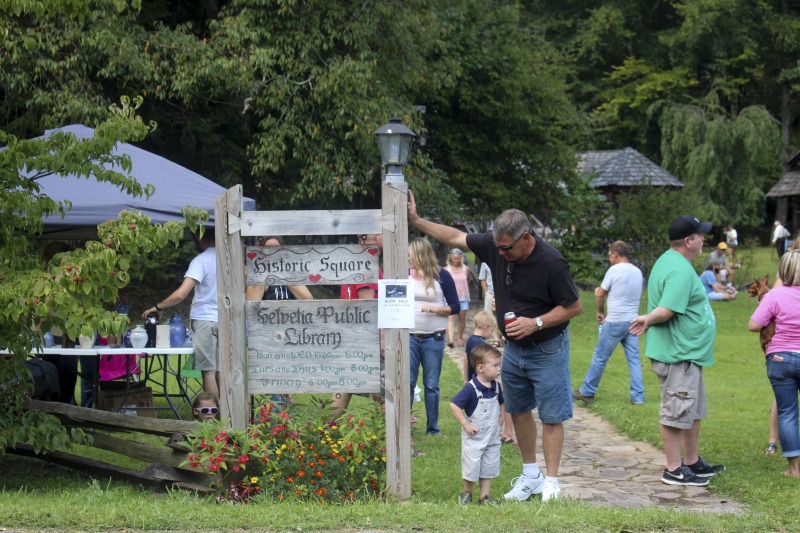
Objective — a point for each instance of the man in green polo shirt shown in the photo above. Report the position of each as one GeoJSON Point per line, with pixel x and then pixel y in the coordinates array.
{"type": "Point", "coordinates": [681, 330]}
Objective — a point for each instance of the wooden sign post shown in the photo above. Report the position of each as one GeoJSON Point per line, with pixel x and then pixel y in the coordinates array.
{"type": "Point", "coordinates": [313, 346]}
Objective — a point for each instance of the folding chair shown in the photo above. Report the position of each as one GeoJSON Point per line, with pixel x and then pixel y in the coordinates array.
{"type": "Point", "coordinates": [187, 373]}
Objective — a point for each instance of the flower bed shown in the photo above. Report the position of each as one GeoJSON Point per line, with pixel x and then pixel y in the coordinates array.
{"type": "Point", "coordinates": [294, 453]}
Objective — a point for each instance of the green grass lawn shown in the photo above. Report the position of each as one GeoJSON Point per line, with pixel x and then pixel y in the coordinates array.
{"type": "Point", "coordinates": [735, 434]}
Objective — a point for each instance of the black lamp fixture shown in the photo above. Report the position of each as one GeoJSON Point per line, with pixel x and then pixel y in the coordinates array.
{"type": "Point", "coordinates": [394, 141]}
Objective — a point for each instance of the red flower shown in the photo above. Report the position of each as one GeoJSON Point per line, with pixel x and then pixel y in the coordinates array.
{"type": "Point", "coordinates": [301, 473]}
{"type": "Point", "coordinates": [321, 491]}
{"type": "Point", "coordinates": [318, 473]}
{"type": "Point", "coordinates": [214, 467]}
{"type": "Point", "coordinates": [243, 459]}
{"type": "Point", "coordinates": [312, 464]}
{"type": "Point", "coordinates": [290, 479]}
{"type": "Point", "coordinates": [236, 467]}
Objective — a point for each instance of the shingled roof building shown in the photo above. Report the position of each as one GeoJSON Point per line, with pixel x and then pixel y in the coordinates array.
{"type": "Point", "coordinates": [787, 191]}
{"type": "Point", "coordinates": [616, 170]}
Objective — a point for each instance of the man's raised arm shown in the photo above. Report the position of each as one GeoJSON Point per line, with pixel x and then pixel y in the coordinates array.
{"type": "Point", "coordinates": [446, 234]}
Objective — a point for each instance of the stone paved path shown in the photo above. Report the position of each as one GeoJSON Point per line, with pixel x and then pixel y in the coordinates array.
{"type": "Point", "coordinates": [601, 467]}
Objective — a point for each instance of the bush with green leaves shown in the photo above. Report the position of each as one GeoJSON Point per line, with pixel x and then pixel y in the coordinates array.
{"type": "Point", "coordinates": [295, 454]}
{"type": "Point", "coordinates": [76, 288]}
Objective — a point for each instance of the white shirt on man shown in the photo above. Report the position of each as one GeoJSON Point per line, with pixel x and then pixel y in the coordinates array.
{"type": "Point", "coordinates": [623, 282]}
{"type": "Point", "coordinates": [203, 269]}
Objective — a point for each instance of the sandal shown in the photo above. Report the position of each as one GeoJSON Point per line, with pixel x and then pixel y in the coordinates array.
{"type": "Point", "coordinates": [507, 440]}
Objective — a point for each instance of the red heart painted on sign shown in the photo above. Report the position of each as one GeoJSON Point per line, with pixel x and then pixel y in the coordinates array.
{"type": "Point", "coordinates": [373, 251]}
{"type": "Point", "coordinates": [251, 256]}
{"type": "Point", "coordinates": [314, 277]}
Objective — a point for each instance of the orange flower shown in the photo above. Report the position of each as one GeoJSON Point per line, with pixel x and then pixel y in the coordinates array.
{"type": "Point", "coordinates": [290, 479]}
{"type": "Point", "coordinates": [301, 473]}
{"type": "Point", "coordinates": [312, 464]}
{"type": "Point", "coordinates": [322, 491]}
{"type": "Point", "coordinates": [318, 473]}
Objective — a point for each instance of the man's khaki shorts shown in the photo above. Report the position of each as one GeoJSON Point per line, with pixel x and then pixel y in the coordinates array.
{"type": "Point", "coordinates": [683, 393]}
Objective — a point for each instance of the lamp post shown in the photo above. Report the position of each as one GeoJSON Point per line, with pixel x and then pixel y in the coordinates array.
{"type": "Point", "coordinates": [394, 141]}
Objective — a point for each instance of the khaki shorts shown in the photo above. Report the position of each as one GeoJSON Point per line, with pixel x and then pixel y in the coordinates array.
{"type": "Point", "coordinates": [204, 341]}
{"type": "Point", "coordinates": [683, 393]}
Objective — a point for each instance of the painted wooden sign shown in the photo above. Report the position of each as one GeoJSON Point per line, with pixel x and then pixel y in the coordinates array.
{"type": "Point", "coordinates": [312, 265]}
{"type": "Point", "coordinates": [312, 346]}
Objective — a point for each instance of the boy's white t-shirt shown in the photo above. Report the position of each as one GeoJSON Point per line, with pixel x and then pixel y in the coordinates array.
{"type": "Point", "coordinates": [203, 269]}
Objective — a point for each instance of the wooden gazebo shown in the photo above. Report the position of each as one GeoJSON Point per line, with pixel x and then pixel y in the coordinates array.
{"type": "Point", "coordinates": [787, 192]}
{"type": "Point", "coordinates": [614, 171]}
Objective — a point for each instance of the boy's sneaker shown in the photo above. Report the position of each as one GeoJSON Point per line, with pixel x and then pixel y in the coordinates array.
{"type": "Point", "coordinates": [488, 500]}
{"type": "Point", "coordinates": [578, 395]}
{"type": "Point", "coordinates": [523, 487]}
{"type": "Point", "coordinates": [683, 476]}
{"type": "Point", "coordinates": [465, 498]}
{"type": "Point", "coordinates": [550, 491]}
{"type": "Point", "coordinates": [704, 469]}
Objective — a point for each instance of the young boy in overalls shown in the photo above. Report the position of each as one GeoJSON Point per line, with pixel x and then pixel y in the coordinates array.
{"type": "Point", "coordinates": [478, 407]}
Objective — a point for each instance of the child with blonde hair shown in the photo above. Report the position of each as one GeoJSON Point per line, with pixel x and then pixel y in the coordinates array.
{"type": "Point", "coordinates": [478, 407]}
{"type": "Point", "coordinates": [485, 326]}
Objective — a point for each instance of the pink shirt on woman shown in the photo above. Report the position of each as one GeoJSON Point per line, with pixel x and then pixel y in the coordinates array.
{"type": "Point", "coordinates": [461, 277]}
{"type": "Point", "coordinates": [783, 305]}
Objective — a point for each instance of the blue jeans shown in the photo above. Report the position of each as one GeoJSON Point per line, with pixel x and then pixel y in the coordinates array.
{"type": "Point", "coordinates": [429, 353]}
{"type": "Point", "coordinates": [783, 371]}
{"type": "Point", "coordinates": [537, 376]}
{"type": "Point", "coordinates": [612, 334]}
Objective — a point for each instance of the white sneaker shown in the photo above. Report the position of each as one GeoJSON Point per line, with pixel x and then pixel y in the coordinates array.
{"type": "Point", "coordinates": [523, 487]}
{"type": "Point", "coordinates": [550, 491]}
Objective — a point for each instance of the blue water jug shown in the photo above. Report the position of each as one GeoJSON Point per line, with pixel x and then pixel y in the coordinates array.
{"type": "Point", "coordinates": [177, 331]}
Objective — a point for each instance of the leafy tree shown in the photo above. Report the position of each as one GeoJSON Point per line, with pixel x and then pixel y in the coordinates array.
{"type": "Point", "coordinates": [727, 161]}
{"type": "Point", "coordinates": [634, 222]}
{"type": "Point", "coordinates": [497, 121]}
{"type": "Point", "coordinates": [579, 232]}
{"type": "Point", "coordinates": [73, 289]}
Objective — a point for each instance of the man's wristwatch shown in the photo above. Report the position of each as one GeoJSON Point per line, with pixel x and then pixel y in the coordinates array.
{"type": "Point", "coordinates": [539, 323]}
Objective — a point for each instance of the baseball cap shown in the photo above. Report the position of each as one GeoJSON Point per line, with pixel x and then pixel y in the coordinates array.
{"type": "Point", "coordinates": [722, 246]}
{"type": "Point", "coordinates": [359, 286]}
{"type": "Point", "coordinates": [686, 225]}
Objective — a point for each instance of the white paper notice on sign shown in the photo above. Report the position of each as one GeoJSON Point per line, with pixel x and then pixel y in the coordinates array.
{"type": "Point", "coordinates": [395, 303]}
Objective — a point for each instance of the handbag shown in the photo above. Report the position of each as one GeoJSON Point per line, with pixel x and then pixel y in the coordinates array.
{"type": "Point", "coordinates": [117, 366]}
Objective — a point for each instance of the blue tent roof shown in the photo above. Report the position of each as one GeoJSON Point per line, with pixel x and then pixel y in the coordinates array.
{"type": "Point", "coordinates": [94, 202]}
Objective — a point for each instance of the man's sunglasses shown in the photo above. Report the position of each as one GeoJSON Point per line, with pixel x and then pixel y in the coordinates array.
{"type": "Point", "coordinates": [207, 410]}
{"type": "Point", "coordinates": [508, 246]}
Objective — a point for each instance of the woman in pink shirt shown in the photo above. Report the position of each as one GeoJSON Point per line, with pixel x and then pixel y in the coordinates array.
{"type": "Point", "coordinates": [782, 305]}
{"type": "Point", "coordinates": [460, 272]}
